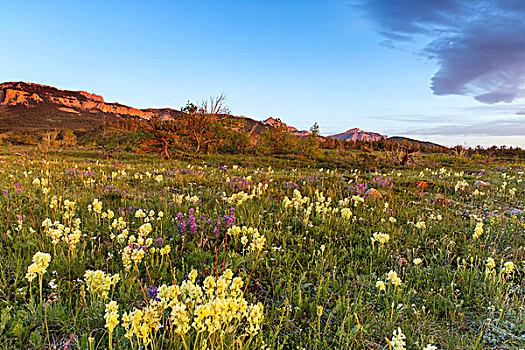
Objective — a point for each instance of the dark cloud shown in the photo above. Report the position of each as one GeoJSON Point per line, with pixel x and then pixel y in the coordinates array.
{"type": "Point", "coordinates": [479, 46]}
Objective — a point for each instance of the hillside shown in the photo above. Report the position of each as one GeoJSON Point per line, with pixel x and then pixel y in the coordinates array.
{"type": "Point", "coordinates": [409, 141]}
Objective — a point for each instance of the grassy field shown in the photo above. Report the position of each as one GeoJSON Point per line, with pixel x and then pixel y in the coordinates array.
{"type": "Point", "coordinates": [242, 253]}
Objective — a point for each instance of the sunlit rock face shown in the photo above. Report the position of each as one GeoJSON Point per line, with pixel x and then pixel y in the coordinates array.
{"type": "Point", "coordinates": [92, 96]}
{"type": "Point", "coordinates": [356, 134]}
{"type": "Point", "coordinates": [12, 97]}
{"type": "Point", "coordinates": [277, 123]}
{"type": "Point", "coordinates": [34, 106]}
{"type": "Point", "coordinates": [27, 94]}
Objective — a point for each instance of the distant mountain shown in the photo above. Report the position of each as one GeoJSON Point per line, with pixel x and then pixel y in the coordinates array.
{"type": "Point", "coordinates": [356, 134]}
{"type": "Point", "coordinates": [412, 142]}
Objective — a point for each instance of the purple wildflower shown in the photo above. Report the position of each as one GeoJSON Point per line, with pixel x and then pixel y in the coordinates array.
{"type": "Point", "coordinates": [152, 293]}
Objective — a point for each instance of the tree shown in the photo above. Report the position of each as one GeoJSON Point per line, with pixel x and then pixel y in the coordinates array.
{"type": "Point", "coordinates": [50, 137]}
{"type": "Point", "coordinates": [164, 137]}
{"type": "Point", "coordinates": [68, 138]}
{"type": "Point", "coordinates": [309, 148]}
{"type": "Point", "coordinates": [314, 130]}
{"type": "Point", "coordinates": [233, 135]}
{"type": "Point", "coordinates": [404, 153]}
{"type": "Point", "coordinates": [201, 122]}
{"type": "Point", "coordinates": [277, 140]}
{"type": "Point", "coordinates": [458, 151]}
{"type": "Point", "coordinates": [202, 128]}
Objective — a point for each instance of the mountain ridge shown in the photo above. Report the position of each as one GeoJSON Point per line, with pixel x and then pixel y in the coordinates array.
{"type": "Point", "coordinates": [356, 134]}
{"type": "Point", "coordinates": [36, 106]}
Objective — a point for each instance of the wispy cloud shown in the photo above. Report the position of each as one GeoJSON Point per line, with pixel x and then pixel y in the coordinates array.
{"type": "Point", "coordinates": [479, 46]}
{"type": "Point", "coordinates": [497, 127]}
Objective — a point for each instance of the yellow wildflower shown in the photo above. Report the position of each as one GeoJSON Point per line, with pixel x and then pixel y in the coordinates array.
{"type": "Point", "coordinates": [111, 315]}
{"type": "Point", "coordinates": [381, 286]}
{"type": "Point", "coordinates": [39, 265]}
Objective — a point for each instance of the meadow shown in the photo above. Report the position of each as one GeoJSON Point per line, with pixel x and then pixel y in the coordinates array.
{"type": "Point", "coordinates": [259, 253]}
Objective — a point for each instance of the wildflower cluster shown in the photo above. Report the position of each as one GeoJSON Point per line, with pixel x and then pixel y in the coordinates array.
{"type": "Point", "coordinates": [179, 199]}
{"type": "Point", "coordinates": [39, 265]}
{"type": "Point", "coordinates": [478, 231]}
{"type": "Point", "coordinates": [297, 200]}
{"type": "Point", "coordinates": [96, 206]}
{"type": "Point", "coordinates": [398, 340]}
{"type": "Point", "coordinates": [257, 240]}
{"type": "Point", "coordinates": [393, 278]}
{"type": "Point", "coordinates": [215, 311]}
{"type": "Point", "coordinates": [99, 284]}
{"type": "Point", "coordinates": [461, 186]}
{"type": "Point", "coordinates": [382, 238]}
{"type": "Point", "coordinates": [238, 198]}
{"type": "Point", "coordinates": [111, 315]}
{"type": "Point", "coordinates": [57, 231]}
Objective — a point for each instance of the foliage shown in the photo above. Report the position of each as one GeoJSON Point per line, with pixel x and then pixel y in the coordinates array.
{"type": "Point", "coordinates": [277, 140]}
{"type": "Point", "coordinates": [310, 147]}
{"type": "Point", "coordinates": [165, 137]}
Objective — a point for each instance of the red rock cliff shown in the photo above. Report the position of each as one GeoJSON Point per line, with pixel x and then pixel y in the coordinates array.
{"type": "Point", "coordinates": [12, 94]}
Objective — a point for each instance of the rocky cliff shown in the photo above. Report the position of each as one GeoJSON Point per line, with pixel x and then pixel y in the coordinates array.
{"type": "Point", "coordinates": [356, 134]}
{"type": "Point", "coordinates": [31, 95]}
{"type": "Point", "coordinates": [29, 106]}
{"type": "Point", "coordinates": [11, 96]}
{"type": "Point", "coordinates": [278, 123]}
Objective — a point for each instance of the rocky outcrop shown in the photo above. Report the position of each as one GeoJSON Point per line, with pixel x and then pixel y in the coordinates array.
{"type": "Point", "coordinates": [11, 97]}
{"type": "Point", "coordinates": [356, 134]}
{"type": "Point", "coordinates": [112, 108]}
{"type": "Point", "coordinates": [91, 96]}
{"type": "Point", "coordinates": [278, 123]}
{"type": "Point", "coordinates": [12, 94]}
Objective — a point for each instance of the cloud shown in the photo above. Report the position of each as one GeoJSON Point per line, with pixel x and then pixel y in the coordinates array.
{"type": "Point", "coordinates": [479, 46]}
{"type": "Point", "coordinates": [500, 127]}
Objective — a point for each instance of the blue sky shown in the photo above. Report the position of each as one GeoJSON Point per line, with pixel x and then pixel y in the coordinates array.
{"type": "Point", "coordinates": [392, 67]}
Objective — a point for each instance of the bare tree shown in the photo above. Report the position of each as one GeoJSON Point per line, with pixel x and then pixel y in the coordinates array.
{"type": "Point", "coordinates": [216, 105]}
{"type": "Point", "coordinates": [403, 154]}
{"type": "Point", "coordinates": [50, 137]}
{"type": "Point", "coordinates": [196, 130]}
{"type": "Point", "coordinates": [201, 120]}
{"type": "Point", "coordinates": [459, 151]}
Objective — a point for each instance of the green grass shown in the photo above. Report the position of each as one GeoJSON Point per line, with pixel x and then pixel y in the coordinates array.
{"type": "Point", "coordinates": [315, 275]}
